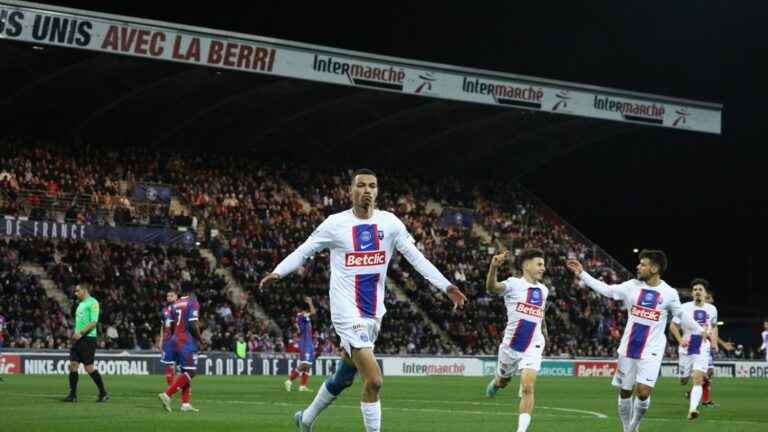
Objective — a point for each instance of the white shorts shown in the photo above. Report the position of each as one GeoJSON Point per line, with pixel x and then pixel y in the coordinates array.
{"type": "Point", "coordinates": [696, 362]}
{"type": "Point", "coordinates": [631, 371]}
{"type": "Point", "coordinates": [357, 333]}
{"type": "Point", "coordinates": [511, 361]}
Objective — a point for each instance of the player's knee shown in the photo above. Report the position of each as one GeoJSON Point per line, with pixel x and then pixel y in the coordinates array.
{"type": "Point", "coordinates": [625, 394]}
{"type": "Point", "coordinates": [683, 381]}
{"type": "Point", "coordinates": [527, 389]}
{"type": "Point", "coordinates": [643, 393]}
{"type": "Point", "coordinates": [374, 384]}
{"type": "Point", "coordinates": [502, 382]}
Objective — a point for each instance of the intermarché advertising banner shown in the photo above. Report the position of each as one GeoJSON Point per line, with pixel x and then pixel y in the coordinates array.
{"type": "Point", "coordinates": [32, 362]}
{"type": "Point", "coordinates": [80, 29]}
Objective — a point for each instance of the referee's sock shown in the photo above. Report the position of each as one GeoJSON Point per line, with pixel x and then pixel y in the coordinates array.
{"type": "Point", "coordinates": [96, 377]}
{"type": "Point", "coordinates": [73, 383]}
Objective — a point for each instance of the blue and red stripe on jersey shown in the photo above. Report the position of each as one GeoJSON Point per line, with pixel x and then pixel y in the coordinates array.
{"type": "Point", "coordinates": [638, 337]}
{"type": "Point", "coordinates": [694, 344]}
{"type": "Point", "coordinates": [523, 335]}
{"type": "Point", "coordinates": [366, 294]}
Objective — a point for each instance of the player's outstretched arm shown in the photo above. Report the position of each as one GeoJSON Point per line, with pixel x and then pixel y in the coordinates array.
{"type": "Point", "coordinates": [612, 291]}
{"type": "Point", "coordinates": [320, 239]}
{"type": "Point", "coordinates": [457, 297]}
{"type": "Point", "coordinates": [491, 284]}
{"type": "Point", "coordinates": [310, 305]}
{"type": "Point", "coordinates": [728, 346]}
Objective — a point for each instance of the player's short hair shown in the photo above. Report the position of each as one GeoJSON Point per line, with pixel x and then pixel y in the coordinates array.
{"type": "Point", "coordinates": [362, 171]}
{"type": "Point", "coordinates": [656, 257]}
{"type": "Point", "coordinates": [700, 281]}
{"type": "Point", "coordinates": [527, 254]}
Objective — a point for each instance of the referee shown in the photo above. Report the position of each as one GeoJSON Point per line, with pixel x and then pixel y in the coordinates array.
{"type": "Point", "coordinates": [84, 344]}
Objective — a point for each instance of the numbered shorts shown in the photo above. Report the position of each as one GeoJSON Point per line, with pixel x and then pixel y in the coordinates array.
{"type": "Point", "coordinates": [686, 364]}
{"type": "Point", "coordinates": [631, 371]}
{"type": "Point", "coordinates": [307, 356]}
{"type": "Point", "coordinates": [167, 356]}
{"type": "Point", "coordinates": [186, 359]}
{"type": "Point", "coordinates": [357, 333]}
{"type": "Point", "coordinates": [511, 361]}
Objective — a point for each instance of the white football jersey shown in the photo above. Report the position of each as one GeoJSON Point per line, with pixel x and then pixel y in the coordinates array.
{"type": "Point", "coordinates": [706, 316]}
{"type": "Point", "coordinates": [525, 302]}
{"type": "Point", "coordinates": [361, 250]}
{"type": "Point", "coordinates": [647, 309]}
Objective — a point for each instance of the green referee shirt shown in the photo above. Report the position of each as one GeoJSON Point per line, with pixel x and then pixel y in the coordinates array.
{"type": "Point", "coordinates": [87, 312]}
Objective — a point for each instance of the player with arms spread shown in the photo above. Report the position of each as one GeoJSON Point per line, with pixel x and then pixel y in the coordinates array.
{"type": "Point", "coordinates": [648, 300]}
{"type": "Point", "coordinates": [361, 241]}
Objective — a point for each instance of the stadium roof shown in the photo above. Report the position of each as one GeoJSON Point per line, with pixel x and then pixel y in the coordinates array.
{"type": "Point", "coordinates": [95, 97]}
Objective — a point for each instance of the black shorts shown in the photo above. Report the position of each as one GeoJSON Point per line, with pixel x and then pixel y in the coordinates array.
{"type": "Point", "coordinates": [84, 350]}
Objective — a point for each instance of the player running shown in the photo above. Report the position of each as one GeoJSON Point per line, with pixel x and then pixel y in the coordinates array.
{"type": "Point", "coordinates": [185, 343]}
{"type": "Point", "coordinates": [695, 351]}
{"type": "Point", "coordinates": [166, 332]}
{"type": "Point", "coordinates": [648, 299]}
{"type": "Point", "coordinates": [362, 241]}
{"type": "Point", "coordinates": [524, 338]}
{"type": "Point", "coordinates": [306, 347]}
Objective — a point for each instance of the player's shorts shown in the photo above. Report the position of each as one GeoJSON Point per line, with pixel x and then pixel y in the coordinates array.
{"type": "Point", "coordinates": [686, 364]}
{"type": "Point", "coordinates": [631, 371]}
{"type": "Point", "coordinates": [307, 356]}
{"type": "Point", "coordinates": [186, 359]}
{"type": "Point", "coordinates": [357, 333]}
{"type": "Point", "coordinates": [511, 361]}
{"type": "Point", "coordinates": [84, 350]}
{"type": "Point", "coordinates": [167, 356]}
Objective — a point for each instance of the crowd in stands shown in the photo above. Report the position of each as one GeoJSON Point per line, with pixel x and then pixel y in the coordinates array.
{"type": "Point", "coordinates": [32, 319]}
{"type": "Point", "coordinates": [258, 213]}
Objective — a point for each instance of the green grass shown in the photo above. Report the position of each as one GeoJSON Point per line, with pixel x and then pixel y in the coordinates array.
{"type": "Point", "coordinates": [260, 404]}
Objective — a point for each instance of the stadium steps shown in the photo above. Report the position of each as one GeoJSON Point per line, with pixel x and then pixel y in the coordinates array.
{"type": "Point", "coordinates": [395, 289]}
{"type": "Point", "coordinates": [50, 287]}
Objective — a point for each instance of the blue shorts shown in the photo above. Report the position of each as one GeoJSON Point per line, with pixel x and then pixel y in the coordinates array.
{"type": "Point", "coordinates": [167, 355]}
{"type": "Point", "coordinates": [186, 359]}
{"type": "Point", "coordinates": [307, 356]}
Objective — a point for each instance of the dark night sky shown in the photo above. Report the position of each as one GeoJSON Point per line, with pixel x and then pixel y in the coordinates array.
{"type": "Point", "coordinates": [699, 197]}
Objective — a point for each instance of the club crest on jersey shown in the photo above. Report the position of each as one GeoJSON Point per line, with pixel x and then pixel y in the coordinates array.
{"type": "Point", "coordinates": [380, 234]}
{"type": "Point", "coordinates": [700, 316]}
{"type": "Point", "coordinates": [649, 298]}
{"type": "Point", "coordinates": [534, 296]}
